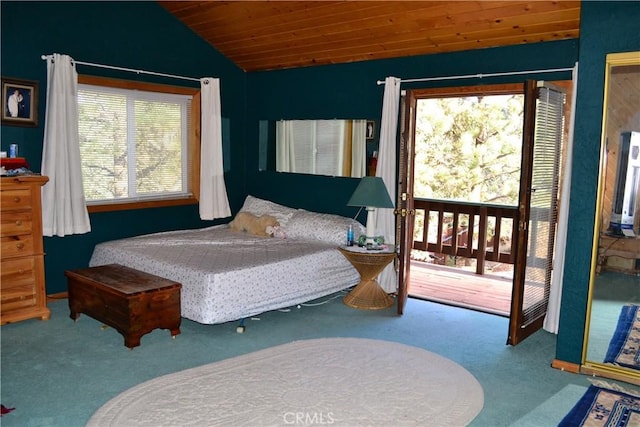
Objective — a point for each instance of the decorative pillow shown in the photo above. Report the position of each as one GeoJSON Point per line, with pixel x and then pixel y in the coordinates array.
{"type": "Point", "coordinates": [260, 207]}
{"type": "Point", "coordinates": [305, 225]}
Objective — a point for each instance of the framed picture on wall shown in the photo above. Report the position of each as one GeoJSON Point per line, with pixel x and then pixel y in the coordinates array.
{"type": "Point", "coordinates": [371, 129]}
{"type": "Point", "coordinates": [19, 102]}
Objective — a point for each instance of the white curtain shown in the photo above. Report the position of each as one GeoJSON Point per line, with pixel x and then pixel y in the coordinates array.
{"type": "Point", "coordinates": [64, 210]}
{"type": "Point", "coordinates": [385, 219]}
{"type": "Point", "coordinates": [213, 191]}
{"type": "Point", "coordinates": [552, 317]}
{"type": "Point", "coordinates": [285, 150]}
{"type": "Point", "coordinates": [359, 149]}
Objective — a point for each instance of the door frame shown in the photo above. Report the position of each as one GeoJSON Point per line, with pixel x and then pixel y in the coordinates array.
{"type": "Point", "coordinates": [406, 214]}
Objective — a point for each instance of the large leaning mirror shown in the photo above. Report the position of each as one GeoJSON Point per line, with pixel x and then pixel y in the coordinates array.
{"type": "Point", "coordinates": [335, 147]}
{"type": "Point", "coordinates": [613, 318]}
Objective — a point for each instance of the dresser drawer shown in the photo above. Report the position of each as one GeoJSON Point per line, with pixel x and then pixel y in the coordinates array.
{"type": "Point", "coordinates": [17, 284]}
{"type": "Point", "coordinates": [15, 223]}
{"type": "Point", "coordinates": [13, 246]}
{"type": "Point", "coordinates": [17, 272]}
{"type": "Point", "coordinates": [15, 199]}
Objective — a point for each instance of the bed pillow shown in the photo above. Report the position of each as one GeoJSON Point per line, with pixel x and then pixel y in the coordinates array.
{"type": "Point", "coordinates": [306, 225]}
{"type": "Point", "coordinates": [260, 207]}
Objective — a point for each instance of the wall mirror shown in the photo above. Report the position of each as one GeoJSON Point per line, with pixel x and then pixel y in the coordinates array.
{"type": "Point", "coordinates": [336, 147]}
{"type": "Point", "coordinates": [614, 288]}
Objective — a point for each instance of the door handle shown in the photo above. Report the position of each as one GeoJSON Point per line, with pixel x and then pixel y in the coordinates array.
{"type": "Point", "coordinates": [404, 212]}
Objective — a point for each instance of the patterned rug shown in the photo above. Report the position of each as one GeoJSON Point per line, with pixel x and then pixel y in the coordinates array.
{"type": "Point", "coordinates": [331, 381]}
{"type": "Point", "coordinates": [605, 404]}
{"type": "Point", "coordinates": [624, 348]}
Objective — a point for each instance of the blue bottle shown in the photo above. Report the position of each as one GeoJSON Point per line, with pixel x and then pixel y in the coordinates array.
{"type": "Point", "coordinates": [350, 236]}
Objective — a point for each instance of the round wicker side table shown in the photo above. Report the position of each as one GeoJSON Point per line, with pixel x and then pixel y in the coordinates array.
{"type": "Point", "coordinates": [368, 294]}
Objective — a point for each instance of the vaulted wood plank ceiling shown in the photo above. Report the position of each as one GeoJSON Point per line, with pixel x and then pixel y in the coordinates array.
{"type": "Point", "coordinates": [268, 35]}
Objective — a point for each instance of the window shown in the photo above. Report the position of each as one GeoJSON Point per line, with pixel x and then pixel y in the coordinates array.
{"type": "Point", "coordinates": [136, 143]}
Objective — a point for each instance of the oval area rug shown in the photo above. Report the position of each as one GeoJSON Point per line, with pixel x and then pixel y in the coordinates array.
{"type": "Point", "coordinates": [328, 381]}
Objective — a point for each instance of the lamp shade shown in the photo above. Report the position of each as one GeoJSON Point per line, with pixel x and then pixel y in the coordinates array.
{"type": "Point", "coordinates": [371, 192]}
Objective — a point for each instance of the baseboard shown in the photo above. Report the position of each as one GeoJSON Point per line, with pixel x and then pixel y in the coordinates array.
{"type": "Point", "coordinates": [60, 295]}
{"type": "Point", "coordinates": [566, 366]}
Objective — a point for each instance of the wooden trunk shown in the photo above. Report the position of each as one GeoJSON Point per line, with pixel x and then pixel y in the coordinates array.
{"type": "Point", "coordinates": [131, 301]}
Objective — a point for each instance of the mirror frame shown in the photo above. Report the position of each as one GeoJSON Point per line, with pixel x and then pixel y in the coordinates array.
{"type": "Point", "coordinates": [587, 366]}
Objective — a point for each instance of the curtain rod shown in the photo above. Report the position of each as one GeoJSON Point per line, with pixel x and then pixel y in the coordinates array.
{"type": "Point", "coordinates": [470, 76]}
{"type": "Point", "coordinates": [131, 70]}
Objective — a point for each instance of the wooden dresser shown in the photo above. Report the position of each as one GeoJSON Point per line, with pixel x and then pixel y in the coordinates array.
{"type": "Point", "coordinates": [22, 290]}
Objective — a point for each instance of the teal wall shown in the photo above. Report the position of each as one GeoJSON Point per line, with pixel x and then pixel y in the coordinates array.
{"type": "Point", "coordinates": [606, 27]}
{"type": "Point", "coordinates": [350, 91]}
{"type": "Point", "coordinates": [140, 35]}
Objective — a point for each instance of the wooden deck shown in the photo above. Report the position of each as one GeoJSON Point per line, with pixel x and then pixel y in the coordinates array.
{"type": "Point", "coordinates": [452, 286]}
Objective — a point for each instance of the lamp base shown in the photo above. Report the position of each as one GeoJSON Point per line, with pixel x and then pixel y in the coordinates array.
{"type": "Point", "coordinates": [371, 226]}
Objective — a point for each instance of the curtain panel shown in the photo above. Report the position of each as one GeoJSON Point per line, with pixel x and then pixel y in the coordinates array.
{"type": "Point", "coordinates": [359, 149]}
{"type": "Point", "coordinates": [385, 219]}
{"type": "Point", "coordinates": [64, 211]}
{"type": "Point", "coordinates": [214, 202]}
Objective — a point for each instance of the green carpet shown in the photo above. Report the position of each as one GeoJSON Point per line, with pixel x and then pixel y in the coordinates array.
{"type": "Point", "coordinates": [59, 372]}
{"type": "Point", "coordinates": [546, 414]}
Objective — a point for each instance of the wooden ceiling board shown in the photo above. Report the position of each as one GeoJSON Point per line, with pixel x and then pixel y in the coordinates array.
{"type": "Point", "coordinates": [337, 52]}
{"type": "Point", "coordinates": [265, 35]}
{"type": "Point", "coordinates": [328, 20]}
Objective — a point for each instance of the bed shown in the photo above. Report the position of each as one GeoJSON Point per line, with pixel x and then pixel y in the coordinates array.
{"type": "Point", "coordinates": [228, 275]}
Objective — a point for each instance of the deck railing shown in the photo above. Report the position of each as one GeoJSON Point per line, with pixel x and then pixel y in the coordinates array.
{"type": "Point", "coordinates": [483, 232]}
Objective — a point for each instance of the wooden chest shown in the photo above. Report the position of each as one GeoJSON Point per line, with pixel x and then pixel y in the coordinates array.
{"type": "Point", "coordinates": [131, 301]}
{"type": "Point", "coordinates": [22, 289]}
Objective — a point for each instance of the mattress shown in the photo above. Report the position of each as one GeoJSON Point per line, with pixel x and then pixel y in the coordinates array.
{"type": "Point", "coordinates": [228, 275]}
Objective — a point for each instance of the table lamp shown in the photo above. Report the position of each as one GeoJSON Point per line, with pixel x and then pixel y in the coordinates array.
{"type": "Point", "coordinates": [371, 193]}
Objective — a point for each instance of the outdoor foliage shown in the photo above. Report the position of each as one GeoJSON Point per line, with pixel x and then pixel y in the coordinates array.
{"type": "Point", "coordinates": [469, 148]}
{"type": "Point", "coordinates": [128, 147]}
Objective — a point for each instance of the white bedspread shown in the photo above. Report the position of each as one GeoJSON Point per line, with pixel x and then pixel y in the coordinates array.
{"type": "Point", "coordinates": [227, 275]}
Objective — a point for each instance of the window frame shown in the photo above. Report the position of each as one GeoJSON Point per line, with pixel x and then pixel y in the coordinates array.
{"type": "Point", "coordinates": [193, 143]}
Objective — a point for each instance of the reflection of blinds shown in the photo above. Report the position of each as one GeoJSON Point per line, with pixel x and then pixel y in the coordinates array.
{"type": "Point", "coordinates": [315, 146]}
{"type": "Point", "coordinates": [329, 148]}
{"type": "Point", "coordinates": [549, 129]}
{"type": "Point", "coordinates": [303, 134]}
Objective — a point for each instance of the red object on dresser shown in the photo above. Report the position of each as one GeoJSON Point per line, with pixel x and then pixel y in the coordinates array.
{"type": "Point", "coordinates": [13, 162]}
